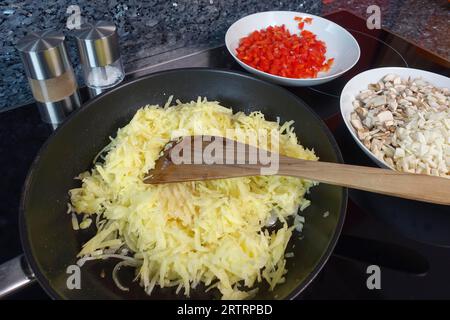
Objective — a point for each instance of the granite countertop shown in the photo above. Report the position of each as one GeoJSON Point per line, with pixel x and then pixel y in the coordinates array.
{"type": "Point", "coordinates": [424, 22]}
{"type": "Point", "coordinates": [151, 27]}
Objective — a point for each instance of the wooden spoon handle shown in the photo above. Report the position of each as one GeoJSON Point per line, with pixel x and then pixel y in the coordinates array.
{"type": "Point", "coordinates": [405, 185]}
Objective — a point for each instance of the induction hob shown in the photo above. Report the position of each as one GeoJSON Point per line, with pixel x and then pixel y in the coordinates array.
{"type": "Point", "coordinates": [406, 239]}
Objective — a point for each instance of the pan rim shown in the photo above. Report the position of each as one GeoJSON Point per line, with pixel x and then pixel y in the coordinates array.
{"type": "Point", "coordinates": [25, 241]}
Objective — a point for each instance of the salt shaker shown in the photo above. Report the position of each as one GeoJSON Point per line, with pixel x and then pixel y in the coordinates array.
{"type": "Point", "coordinates": [98, 46]}
{"type": "Point", "coordinates": [50, 74]}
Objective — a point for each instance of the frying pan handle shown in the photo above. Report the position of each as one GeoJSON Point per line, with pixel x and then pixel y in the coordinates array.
{"type": "Point", "coordinates": [14, 275]}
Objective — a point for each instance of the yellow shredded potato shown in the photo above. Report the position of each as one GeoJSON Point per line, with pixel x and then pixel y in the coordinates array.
{"type": "Point", "coordinates": [183, 234]}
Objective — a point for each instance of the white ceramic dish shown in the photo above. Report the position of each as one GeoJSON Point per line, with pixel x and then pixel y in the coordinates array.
{"type": "Point", "coordinates": [341, 45]}
{"type": "Point", "coordinates": [362, 80]}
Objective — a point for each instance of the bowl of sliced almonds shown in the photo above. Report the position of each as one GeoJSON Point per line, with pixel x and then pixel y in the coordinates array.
{"type": "Point", "coordinates": [400, 117]}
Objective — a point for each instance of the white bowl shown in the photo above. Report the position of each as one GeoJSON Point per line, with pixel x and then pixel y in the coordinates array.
{"type": "Point", "coordinates": [362, 80]}
{"type": "Point", "coordinates": [340, 43]}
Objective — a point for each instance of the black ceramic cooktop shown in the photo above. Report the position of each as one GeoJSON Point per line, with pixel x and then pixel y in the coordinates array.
{"type": "Point", "coordinates": [409, 241]}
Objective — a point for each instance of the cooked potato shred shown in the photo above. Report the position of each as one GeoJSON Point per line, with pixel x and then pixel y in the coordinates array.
{"type": "Point", "coordinates": [183, 234]}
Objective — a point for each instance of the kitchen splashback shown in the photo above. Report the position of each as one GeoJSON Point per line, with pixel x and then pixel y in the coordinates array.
{"type": "Point", "coordinates": [146, 28]}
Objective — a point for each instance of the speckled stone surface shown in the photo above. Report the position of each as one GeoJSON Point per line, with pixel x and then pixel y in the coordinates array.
{"type": "Point", "coordinates": [146, 28]}
{"type": "Point", "coordinates": [151, 27]}
{"type": "Point", "coordinates": [424, 22]}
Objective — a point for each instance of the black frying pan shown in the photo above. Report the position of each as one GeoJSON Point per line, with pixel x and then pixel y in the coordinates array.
{"type": "Point", "coordinates": [51, 245]}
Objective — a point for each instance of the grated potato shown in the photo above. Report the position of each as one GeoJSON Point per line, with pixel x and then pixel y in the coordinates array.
{"type": "Point", "coordinates": [184, 234]}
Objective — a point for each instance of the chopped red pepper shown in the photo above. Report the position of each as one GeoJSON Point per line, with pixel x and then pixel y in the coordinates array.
{"type": "Point", "coordinates": [301, 21]}
{"type": "Point", "coordinates": [276, 51]}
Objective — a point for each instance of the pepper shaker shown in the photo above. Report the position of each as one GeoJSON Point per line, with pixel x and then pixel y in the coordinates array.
{"type": "Point", "coordinates": [50, 74]}
{"type": "Point", "coordinates": [98, 46]}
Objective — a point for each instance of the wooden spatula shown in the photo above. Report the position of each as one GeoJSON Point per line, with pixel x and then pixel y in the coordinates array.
{"type": "Point", "coordinates": [198, 158]}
